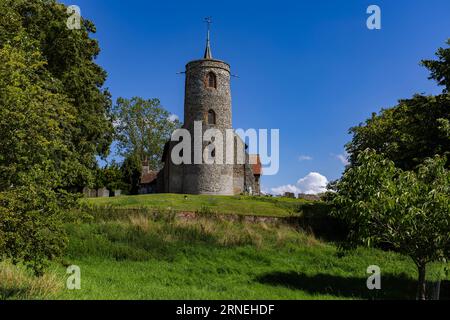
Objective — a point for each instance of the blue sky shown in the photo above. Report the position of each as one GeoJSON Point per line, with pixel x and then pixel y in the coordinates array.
{"type": "Point", "coordinates": [309, 68]}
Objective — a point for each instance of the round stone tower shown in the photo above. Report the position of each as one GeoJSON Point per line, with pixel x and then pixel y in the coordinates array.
{"type": "Point", "coordinates": [208, 101]}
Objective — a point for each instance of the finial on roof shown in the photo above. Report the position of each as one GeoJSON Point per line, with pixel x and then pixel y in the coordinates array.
{"type": "Point", "coordinates": [208, 54]}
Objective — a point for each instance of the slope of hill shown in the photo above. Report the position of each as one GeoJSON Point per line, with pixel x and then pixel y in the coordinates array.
{"type": "Point", "coordinates": [145, 256]}
{"type": "Point", "coordinates": [244, 205]}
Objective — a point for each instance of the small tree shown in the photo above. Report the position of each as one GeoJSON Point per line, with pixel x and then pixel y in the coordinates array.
{"type": "Point", "coordinates": [110, 177]}
{"type": "Point", "coordinates": [410, 210]}
{"type": "Point", "coordinates": [113, 176]}
{"type": "Point", "coordinates": [131, 172]}
{"type": "Point", "coordinates": [142, 129]}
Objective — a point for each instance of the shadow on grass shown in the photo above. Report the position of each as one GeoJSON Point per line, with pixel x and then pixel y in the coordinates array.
{"type": "Point", "coordinates": [392, 287]}
{"type": "Point", "coordinates": [12, 293]}
{"type": "Point", "coordinates": [163, 241]}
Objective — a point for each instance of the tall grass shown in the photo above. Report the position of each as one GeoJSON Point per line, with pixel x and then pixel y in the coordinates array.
{"type": "Point", "coordinates": [18, 283]}
{"type": "Point", "coordinates": [140, 235]}
{"type": "Point", "coordinates": [151, 253]}
{"type": "Point", "coordinates": [243, 205]}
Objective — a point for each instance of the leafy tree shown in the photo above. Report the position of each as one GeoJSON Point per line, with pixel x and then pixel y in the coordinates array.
{"type": "Point", "coordinates": [131, 171]}
{"type": "Point", "coordinates": [142, 129]}
{"type": "Point", "coordinates": [31, 225]}
{"type": "Point", "coordinates": [410, 210]}
{"type": "Point", "coordinates": [54, 119]}
{"type": "Point", "coordinates": [111, 177]}
{"type": "Point", "coordinates": [412, 131]}
{"type": "Point", "coordinates": [69, 60]}
{"type": "Point", "coordinates": [440, 69]}
{"type": "Point", "coordinates": [416, 129]}
{"type": "Point", "coordinates": [36, 158]}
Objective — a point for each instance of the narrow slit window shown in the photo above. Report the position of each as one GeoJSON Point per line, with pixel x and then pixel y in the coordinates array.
{"type": "Point", "coordinates": [212, 80]}
{"type": "Point", "coordinates": [211, 117]}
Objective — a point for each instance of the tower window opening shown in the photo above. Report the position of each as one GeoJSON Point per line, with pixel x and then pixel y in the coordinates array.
{"type": "Point", "coordinates": [212, 80]}
{"type": "Point", "coordinates": [211, 117]}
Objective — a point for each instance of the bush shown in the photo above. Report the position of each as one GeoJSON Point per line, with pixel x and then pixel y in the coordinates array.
{"type": "Point", "coordinates": [31, 228]}
{"type": "Point", "coordinates": [316, 218]}
{"type": "Point", "coordinates": [408, 210]}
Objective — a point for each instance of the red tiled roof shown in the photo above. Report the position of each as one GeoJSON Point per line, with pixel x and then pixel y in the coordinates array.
{"type": "Point", "coordinates": [255, 162]}
{"type": "Point", "coordinates": [149, 177]}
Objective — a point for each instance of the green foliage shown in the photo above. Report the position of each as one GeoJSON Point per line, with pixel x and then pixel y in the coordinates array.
{"type": "Point", "coordinates": [440, 69]}
{"type": "Point", "coordinates": [110, 177]}
{"type": "Point", "coordinates": [407, 134]}
{"type": "Point", "coordinates": [35, 121]}
{"type": "Point", "coordinates": [35, 159]}
{"type": "Point", "coordinates": [31, 229]}
{"type": "Point", "coordinates": [408, 210]}
{"type": "Point", "coordinates": [143, 127]}
{"type": "Point", "coordinates": [67, 62]}
{"type": "Point", "coordinates": [131, 172]}
{"type": "Point", "coordinates": [415, 129]}
{"type": "Point", "coordinates": [53, 121]}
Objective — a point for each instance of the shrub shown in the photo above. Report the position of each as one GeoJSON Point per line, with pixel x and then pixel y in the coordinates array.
{"type": "Point", "coordinates": [409, 210]}
{"type": "Point", "coordinates": [31, 228]}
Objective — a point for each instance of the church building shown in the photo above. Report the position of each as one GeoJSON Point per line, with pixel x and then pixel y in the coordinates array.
{"type": "Point", "coordinates": [207, 101]}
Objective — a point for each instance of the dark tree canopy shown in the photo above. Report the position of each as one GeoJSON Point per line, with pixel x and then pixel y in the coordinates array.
{"type": "Point", "coordinates": [396, 189]}
{"type": "Point", "coordinates": [69, 57]}
{"type": "Point", "coordinates": [54, 120]}
{"type": "Point", "coordinates": [407, 134]}
{"type": "Point", "coordinates": [440, 69]}
{"type": "Point", "coordinates": [131, 172]}
{"type": "Point", "coordinates": [412, 131]}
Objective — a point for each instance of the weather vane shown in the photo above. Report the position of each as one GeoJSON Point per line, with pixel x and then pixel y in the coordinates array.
{"type": "Point", "coordinates": [208, 21]}
{"type": "Point", "coordinates": [208, 54]}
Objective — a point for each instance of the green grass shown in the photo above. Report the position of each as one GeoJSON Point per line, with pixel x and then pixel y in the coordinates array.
{"type": "Point", "coordinates": [244, 205]}
{"type": "Point", "coordinates": [17, 282]}
{"type": "Point", "coordinates": [140, 255]}
{"type": "Point", "coordinates": [143, 257]}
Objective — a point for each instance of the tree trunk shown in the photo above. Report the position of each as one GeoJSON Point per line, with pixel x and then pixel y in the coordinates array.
{"type": "Point", "coordinates": [421, 287]}
{"type": "Point", "coordinates": [434, 293]}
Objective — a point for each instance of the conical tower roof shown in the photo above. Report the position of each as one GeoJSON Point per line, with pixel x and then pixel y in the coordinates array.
{"type": "Point", "coordinates": [208, 52]}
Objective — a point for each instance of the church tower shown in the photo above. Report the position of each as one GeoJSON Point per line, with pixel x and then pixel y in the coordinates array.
{"type": "Point", "coordinates": [208, 100]}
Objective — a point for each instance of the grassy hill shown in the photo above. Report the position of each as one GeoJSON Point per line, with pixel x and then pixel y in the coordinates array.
{"type": "Point", "coordinates": [245, 205]}
{"type": "Point", "coordinates": [140, 255]}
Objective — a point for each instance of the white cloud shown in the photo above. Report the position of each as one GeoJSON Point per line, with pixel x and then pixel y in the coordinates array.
{"type": "Point", "coordinates": [304, 158]}
{"type": "Point", "coordinates": [173, 118]}
{"type": "Point", "coordinates": [313, 183]}
{"type": "Point", "coordinates": [283, 189]}
{"type": "Point", "coordinates": [343, 158]}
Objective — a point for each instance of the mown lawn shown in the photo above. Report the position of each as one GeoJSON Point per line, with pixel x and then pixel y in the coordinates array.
{"type": "Point", "coordinates": [146, 257]}
{"type": "Point", "coordinates": [244, 205]}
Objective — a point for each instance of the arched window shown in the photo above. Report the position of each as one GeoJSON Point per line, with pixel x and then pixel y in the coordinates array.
{"type": "Point", "coordinates": [211, 117]}
{"type": "Point", "coordinates": [212, 80]}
